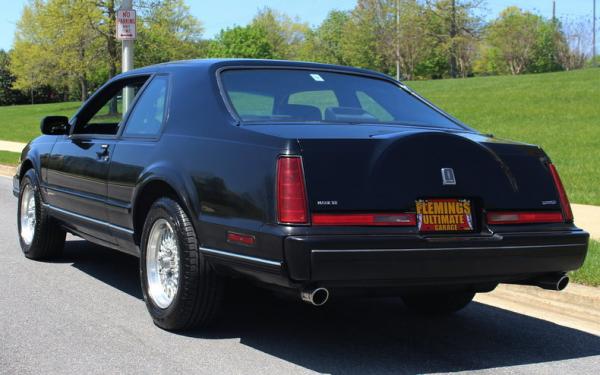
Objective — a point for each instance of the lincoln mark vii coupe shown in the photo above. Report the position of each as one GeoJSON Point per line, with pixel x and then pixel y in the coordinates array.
{"type": "Point", "coordinates": [314, 180]}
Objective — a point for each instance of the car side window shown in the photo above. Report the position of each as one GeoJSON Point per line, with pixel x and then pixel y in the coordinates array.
{"type": "Point", "coordinates": [104, 114]}
{"type": "Point", "coordinates": [372, 107]}
{"type": "Point", "coordinates": [147, 116]}
{"type": "Point", "coordinates": [252, 104]}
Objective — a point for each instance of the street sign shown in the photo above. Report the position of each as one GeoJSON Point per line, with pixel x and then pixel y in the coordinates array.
{"type": "Point", "coordinates": [126, 24]}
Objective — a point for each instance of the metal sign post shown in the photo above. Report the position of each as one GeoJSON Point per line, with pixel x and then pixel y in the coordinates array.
{"type": "Point", "coordinates": [126, 32]}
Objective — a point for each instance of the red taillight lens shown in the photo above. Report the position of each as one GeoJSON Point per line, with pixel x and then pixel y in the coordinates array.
{"type": "Point", "coordinates": [562, 194]}
{"type": "Point", "coordinates": [509, 217]}
{"type": "Point", "coordinates": [291, 192]}
{"type": "Point", "coordinates": [365, 219]}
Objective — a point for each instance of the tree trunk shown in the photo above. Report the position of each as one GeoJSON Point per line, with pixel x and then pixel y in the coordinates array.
{"type": "Point", "coordinates": [83, 83]}
{"type": "Point", "coordinates": [453, 34]}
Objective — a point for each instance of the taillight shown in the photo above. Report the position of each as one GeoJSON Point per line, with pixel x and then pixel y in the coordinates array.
{"type": "Point", "coordinates": [365, 219]}
{"type": "Point", "coordinates": [291, 192]}
{"type": "Point", "coordinates": [516, 217]}
{"type": "Point", "coordinates": [562, 195]}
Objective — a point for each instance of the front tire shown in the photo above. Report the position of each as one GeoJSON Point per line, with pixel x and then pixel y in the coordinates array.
{"type": "Point", "coordinates": [180, 288]}
{"type": "Point", "coordinates": [40, 236]}
{"type": "Point", "coordinates": [438, 303]}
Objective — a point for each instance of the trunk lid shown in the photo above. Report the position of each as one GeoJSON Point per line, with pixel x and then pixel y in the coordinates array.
{"type": "Point", "coordinates": [388, 170]}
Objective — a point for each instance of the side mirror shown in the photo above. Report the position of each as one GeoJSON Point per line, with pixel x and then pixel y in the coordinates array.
{"type": "Point", "coordinates": [55, 125]}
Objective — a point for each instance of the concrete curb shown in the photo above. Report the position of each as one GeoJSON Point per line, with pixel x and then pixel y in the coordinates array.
{"type": "Point", "coordinates": [578, 306]}
{"type": "Point", "coordinates": [7, 170]}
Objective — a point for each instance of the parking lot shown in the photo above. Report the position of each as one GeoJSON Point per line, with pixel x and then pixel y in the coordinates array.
{"type": "Point", "coordinates": [84, 314]}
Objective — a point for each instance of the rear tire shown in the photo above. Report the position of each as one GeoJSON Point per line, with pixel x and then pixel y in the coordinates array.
{"type": "Point", "coordinates": [180, 288]}
{"type": "Point", "coordinates": [40, 236]}
{"type": "Point", "coordinates": [438, 303]}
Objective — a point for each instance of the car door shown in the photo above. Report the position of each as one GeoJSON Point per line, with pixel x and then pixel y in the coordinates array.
{"type": "Point", "coordinates": [134, 151]}
{"type": "Point", "coordinates": [79, 163]}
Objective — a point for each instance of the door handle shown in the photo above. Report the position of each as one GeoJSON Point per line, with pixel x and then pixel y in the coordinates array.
{"type": "Point", "coordinates": [103, 153]}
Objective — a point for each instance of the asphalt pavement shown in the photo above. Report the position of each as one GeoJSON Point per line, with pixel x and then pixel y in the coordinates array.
{"type": "Point", "coordinates": [84, 313]}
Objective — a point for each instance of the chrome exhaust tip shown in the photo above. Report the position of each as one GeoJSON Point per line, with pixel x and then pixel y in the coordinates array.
{"type": "Point", "coordinates": [316, 297]}
{"type": "Point", "coordinates": [556, 282]}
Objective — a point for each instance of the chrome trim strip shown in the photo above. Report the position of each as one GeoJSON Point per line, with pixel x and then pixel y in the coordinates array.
{"type": "Point", "coordinates": [443, 248]}
{"type": "Point", "coordinates": [240, 256]}
{"type": "Point", "coordinates": [91, 220]}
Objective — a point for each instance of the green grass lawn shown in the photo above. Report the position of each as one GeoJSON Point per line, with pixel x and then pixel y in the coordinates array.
{"type": "Point", "coordinates": [590, 272]}
{"type": "Point", "coordinates": [21, 123]}
{"type": "Point", "coordinates": [9, 158]}
{"type": "Point", "coordinates": [558, 111]}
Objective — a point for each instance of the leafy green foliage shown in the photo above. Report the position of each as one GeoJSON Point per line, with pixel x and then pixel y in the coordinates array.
{"type": "Point", "coordinates": [245, 42]}
{"type": "Point", "coordinates": [168, 32]}
{"type": "Point", "coordinates": [50, 49]}
{"type": "Point", "coordinates": [8, 95]}
{"type": "Point", "coordinates": [519, 42]}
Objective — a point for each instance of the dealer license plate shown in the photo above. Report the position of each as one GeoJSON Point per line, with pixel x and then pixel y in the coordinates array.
{"type": "Point", "coordinates": [444, 215]}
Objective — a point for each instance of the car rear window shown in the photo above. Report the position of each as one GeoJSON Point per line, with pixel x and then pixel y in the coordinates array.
{"type": "Point", "coordinates": [312, 96]}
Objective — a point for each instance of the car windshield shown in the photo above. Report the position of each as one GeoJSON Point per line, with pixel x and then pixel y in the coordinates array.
{"type": "Point", "coordinates": [312, 96]}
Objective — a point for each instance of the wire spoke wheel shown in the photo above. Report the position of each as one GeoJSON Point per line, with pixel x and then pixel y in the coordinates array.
{"type": "Point", "coordinates": [162, 263]}
{"type": "Point", "coordinates": [28, 214]}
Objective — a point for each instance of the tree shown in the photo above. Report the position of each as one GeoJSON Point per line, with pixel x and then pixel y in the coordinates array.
{"type": "Point", "coordinates": [411, 39]}
{"type": "Point", "coordinates": [244, 42]}
{"type": "Point", "coordinates": [574, 49]}
{"type": "Point", "coordinates": [31, 61]}
{"type": "Point", "coordinates": [512, 35]}
{"type": "Point", "coordinates": [366, 33]}
{"type": "Point", "coordinates": [167, 31]}
{"type": "Point", "coordinates": [8, 95]}
{"type": "Point", "coordinates": [325, 43]}
{"type": "Point", "coordinates": [456, 27]}
{"type": "Point", "coordinates": [285, 35]}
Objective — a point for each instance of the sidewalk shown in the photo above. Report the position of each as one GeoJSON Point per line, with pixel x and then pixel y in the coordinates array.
{"type": "Point", "coordinates": [588, 218]}
{"type": "Point", "coordinates": [11, 146]}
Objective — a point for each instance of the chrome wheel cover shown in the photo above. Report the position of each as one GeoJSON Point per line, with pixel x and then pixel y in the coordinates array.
{"type": "Point", "coordinates": [162, 263]}
{"type": "Point", "coordinates": [28, 218]}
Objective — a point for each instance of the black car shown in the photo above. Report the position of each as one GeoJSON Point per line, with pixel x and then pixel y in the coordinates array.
{"type": "Point", "coordinates": [313, 179]}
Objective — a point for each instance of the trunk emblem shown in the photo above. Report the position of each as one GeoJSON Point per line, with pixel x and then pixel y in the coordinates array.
{"type": "Point", "coordinates": [448, 176]}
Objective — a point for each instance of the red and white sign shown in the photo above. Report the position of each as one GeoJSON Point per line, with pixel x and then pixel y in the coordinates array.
{"type": "Point", "coordinates": [125, 24]}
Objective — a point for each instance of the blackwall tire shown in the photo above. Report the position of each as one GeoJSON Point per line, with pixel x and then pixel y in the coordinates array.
{"type": "Point", "coordinates": [191, 290]}
{"type": "Point", "coordinates": [40, 236]}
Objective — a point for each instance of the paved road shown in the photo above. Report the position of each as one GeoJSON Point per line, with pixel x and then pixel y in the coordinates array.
{"type": "Point", "coordinates": [84, 314]}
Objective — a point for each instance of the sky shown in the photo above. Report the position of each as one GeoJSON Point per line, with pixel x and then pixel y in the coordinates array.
{"type": "Point", "coordinates": [218, 14]}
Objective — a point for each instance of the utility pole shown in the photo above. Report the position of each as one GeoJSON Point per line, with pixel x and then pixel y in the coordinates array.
{"type": "Point", "coordinates": [553, 11]}
{"type": "Point", "coordinates": [127, 52]}
{"type": "Point", "coordinates": [397, 40]}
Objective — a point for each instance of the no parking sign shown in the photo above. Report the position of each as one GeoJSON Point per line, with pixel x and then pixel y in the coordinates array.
{"type": "Point", "coordinates": [126, 24]}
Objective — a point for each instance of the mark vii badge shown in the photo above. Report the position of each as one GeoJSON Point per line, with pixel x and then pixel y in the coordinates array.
{"type": "Point", "coordinates": [448, 176]}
